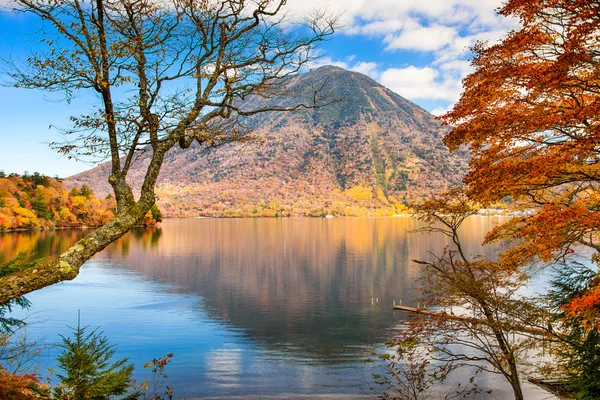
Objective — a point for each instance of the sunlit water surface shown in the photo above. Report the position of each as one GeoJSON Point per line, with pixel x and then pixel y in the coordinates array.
{"type": "Point", "coordinates": [251, 308]}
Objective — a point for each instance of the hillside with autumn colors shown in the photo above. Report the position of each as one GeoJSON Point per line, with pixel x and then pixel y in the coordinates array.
{"type": "Point", "coordinates": [369, 152]}
{"type": "Point", "coordinates": [38, 202]}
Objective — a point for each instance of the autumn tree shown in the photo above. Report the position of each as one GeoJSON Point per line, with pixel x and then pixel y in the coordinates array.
{"type": "Point", "coordinates": [529, 117]}
{"type": "Point", "coordinates": [169, 73]}
{"type": "Point", "coordinates": [25, 204]}
{"type": "Point", "coordinates": [483, 322]}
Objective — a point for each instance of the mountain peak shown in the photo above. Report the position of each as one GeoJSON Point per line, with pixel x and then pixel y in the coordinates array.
{"type": "Point", "coordinates": [333, 71]}
{"type": "Point", "coordinates": [328, 69]}
{"type": "Point", "coordinates": [360, 97]}
{"type": "Point", "coordinates": [369, 151]}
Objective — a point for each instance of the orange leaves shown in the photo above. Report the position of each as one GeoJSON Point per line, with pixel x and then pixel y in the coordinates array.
{"type": "Point", "coordinates": [529, 116]}
{"type": "Point", "coordinates": [19, 387]}
{"type": "Point", "coordinates": [539, 80]}
{"type": "Point", "coordinates": [148, 220]}
{"type": "Point", "coordinates": [553, 230]}
{"type": "Point", "coordinates": [586, 308]}
{"type": "Point", "coordinates": [35, 201]}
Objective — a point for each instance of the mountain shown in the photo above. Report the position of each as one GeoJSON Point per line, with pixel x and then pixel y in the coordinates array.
{"type": "Point", "coordinates": [367, 154]}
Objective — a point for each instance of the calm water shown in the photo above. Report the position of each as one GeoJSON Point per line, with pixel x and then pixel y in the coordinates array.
{"type": "Point", "coordinates": [251, 308]}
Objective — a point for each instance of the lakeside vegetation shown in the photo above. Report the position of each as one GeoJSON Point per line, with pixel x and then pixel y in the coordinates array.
{"type": "Point", "coordinates": [362, 200]}
{"type": "Point", "coordinates": [86, 366]}
{"type": "Point", "coordinates": [36, 201]}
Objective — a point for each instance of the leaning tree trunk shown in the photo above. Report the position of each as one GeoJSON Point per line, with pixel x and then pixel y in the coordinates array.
{"type": "Point", "coordinates": [67, 265]}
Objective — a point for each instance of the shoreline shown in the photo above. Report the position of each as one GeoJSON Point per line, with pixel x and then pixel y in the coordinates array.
{"type": "Point", "coordinates": [57, 228]}
{"type": "Point", "coordinates": [329, 216]}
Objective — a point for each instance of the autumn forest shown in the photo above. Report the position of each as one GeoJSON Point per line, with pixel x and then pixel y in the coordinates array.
{"type": "Point", "coordinates": [39, 202]}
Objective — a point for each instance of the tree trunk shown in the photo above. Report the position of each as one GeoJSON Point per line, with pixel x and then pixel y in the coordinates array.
{"type": "Point", "coordinates": [67, 265]}
{"type": "Point", "coordinates": [507, 352]}
{"type": "Point", "coordinates": [514, 382]}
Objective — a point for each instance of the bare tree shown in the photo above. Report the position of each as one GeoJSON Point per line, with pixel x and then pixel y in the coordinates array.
{"type": "Point", "coordinates": [484, 321]}
{"type": "Point", "coordinates": [166, 73]}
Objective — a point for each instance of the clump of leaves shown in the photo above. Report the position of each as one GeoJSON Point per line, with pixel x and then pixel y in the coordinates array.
{"type": "Point", "coordinates": [21, 387]}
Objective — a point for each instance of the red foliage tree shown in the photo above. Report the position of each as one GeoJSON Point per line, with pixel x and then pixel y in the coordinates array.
{"type": "Point", "coordinates": [529, 117]}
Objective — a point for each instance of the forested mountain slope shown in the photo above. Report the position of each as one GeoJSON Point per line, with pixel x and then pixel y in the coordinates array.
{"type": "Point", "coordinates": [366, 154]}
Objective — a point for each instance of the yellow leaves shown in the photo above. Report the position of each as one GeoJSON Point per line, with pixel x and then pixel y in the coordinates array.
{"type": "Point", "coordinates": [359, 192]}
{"type": "Point", "coordinates": [37, 201]}
{"type": "Point", "coordinates": [78, 201]}
{"type": "Point", "coordinates": [402, 209]}
{"type": "Point", "coordinates": [381, 196]}
{"type": "Point", "coordinates": [24, 213]}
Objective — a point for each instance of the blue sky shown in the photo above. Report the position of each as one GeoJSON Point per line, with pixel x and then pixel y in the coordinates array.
{"type": "Point", "coordinates": [417, 48]}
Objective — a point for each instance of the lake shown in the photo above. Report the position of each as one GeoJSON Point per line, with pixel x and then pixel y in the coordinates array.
{"type": "Point", "coordinates": [251, 308]}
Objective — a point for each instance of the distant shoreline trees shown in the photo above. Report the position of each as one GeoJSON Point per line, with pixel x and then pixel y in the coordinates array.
{"type": "Point", "coordinates": [37, 201]}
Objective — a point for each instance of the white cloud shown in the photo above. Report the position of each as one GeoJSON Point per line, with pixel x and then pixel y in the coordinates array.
{"type": "Point", "coordinates": [367, 68]}
{"type": "Point", "coordinates": [444, 29]}
{"type": "Point", "coordinates": [328, 61]}
{"type": "Point", "coordinates": [458, 67]}
{"type": "Point", "coordinates": [363, 12]}
{"type": "Point", "coordinates": [423, 38]}
{"type": "Point", "coordinates": [421, 83]}
{"type": "Point", "coordinates": [377, 28]}
{"type": "Point", "coordinates": [440, 111]}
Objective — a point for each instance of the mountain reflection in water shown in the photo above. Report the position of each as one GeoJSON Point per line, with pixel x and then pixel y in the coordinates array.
{"type": "Point", "coordinates": [300, 283]}
{"type": "Point", "coordinates": [248, 306]}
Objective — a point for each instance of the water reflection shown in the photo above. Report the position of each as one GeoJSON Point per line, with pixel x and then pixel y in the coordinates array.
{"type": "Point", "coordinates": [296, 285]}
{"type": "Point", "coordinates": [38, 243]}
{"type": "Point", "coordinates": [304, 286]}
{"type": "Point", "coordinates": [249, 306]}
